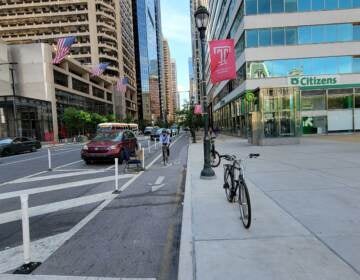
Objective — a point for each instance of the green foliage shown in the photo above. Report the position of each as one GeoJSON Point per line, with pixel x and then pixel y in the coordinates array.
{"type": "Point", "coordinates": [81, 122]}
{"type": "Point", "coordinates": [187, 118]}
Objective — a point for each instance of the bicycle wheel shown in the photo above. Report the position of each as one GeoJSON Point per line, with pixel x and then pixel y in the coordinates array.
{"type": "Point", "coordinates": [244, 205]}
{"type": "Point", "coordinates": [215, 159]}
{"type": "Point", "coordinates": [228, 185]}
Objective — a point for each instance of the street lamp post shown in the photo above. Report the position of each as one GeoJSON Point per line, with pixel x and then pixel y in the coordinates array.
{"type": "Point", "coordinates": [13, 92]}
{"type": "Point", "coordinates": [202, 20]}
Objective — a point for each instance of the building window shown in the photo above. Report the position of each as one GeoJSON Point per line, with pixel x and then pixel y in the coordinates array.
{"type": "Point", "coordinates": [313, 100]}
{"type": "Point", "coordinates": [80, 86]}
{"type": "Point", "coordinates": [290, 6]}
{"type": "Point", "coordinates": [331, 4]}
{"type": "Point", "coordinates": [252, 38]}
{"type": "Point", "coordinates": [98, 92]}
{"type": "Point", "coordinates": [264, 37]}
{"type": "Point", "coordinates": [305, 5]}
{"type": "Point", "coordinates": [60, 79]}
{"type": "Point", "coordinates": [251, 7]}
{"type": "Point", "coordinates": [342, 99]}
{"type": "Point", "coordinates": [278, 37]}
{"type": "Point", "coordinates": [264, 7]}
{"type": "Point", "coordinates": [277, 6]}
{"type": "Point", "coordinates": [109, 96]}
{"type": "Point", "coordinates": [303, 66]}
{"type": "Point", "coordinates": [291, 36]}
{"type": "Point", "coordinates": [317, 5]}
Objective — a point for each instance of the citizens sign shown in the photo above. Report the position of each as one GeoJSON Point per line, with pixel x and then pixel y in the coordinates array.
{"type": "Point", "coordinates": [222, 60]}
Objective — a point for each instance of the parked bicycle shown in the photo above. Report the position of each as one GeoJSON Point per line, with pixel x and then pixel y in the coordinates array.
{"type": "Point", "coordinates": [235, 186]}
{"type": "Point", "coordinates": [214, 155]}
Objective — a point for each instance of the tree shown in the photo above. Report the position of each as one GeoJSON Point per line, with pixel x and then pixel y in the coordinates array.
{"type": "Point", "coordinates": [71, 119]}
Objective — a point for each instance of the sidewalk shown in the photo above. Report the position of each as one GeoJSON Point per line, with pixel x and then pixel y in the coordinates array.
{"type": "Point", "coordinates": [306, 215]}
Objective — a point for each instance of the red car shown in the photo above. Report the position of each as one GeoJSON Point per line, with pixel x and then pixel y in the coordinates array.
{"type": "Point", "coordinates": [107, 146]}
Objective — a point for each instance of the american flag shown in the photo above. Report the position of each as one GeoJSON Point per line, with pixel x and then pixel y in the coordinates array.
{"type": "Point", "coordinates": [99, 69]}
{"type": "Point", "coordinates": [121, 85]}
{"type": "Point", "coordinates": [63, 48]}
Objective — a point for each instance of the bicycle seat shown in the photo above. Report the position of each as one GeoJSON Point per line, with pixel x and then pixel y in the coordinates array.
{"type": "Point", "coordinates": [254, 155]}
{"type": "Point", "coordinates": [229, 157]}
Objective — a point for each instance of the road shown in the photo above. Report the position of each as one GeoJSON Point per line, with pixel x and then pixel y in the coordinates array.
{"type": "Point", "coordinates": [80, 228]}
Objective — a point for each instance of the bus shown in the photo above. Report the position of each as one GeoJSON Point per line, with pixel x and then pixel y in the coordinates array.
{"type": "Point", "coordinates": [112, 127]}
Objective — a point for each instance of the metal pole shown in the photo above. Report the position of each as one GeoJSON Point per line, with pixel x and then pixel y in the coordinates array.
{"type": "Point", "coordinates": [25, 227]}
{"type": "Point", "coordinates": [149, 146]}
{"type": "Point", "coordinates": [14, 104]}
{"type": "Point", "coordinates": [207, 172]}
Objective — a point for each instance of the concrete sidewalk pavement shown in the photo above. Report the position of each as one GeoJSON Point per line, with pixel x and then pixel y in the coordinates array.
{"type": "Point", "coordinates": [306, 215]}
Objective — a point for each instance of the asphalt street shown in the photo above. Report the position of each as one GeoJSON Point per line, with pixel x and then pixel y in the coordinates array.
{"type": "Point", "coordinates": [79, 228]}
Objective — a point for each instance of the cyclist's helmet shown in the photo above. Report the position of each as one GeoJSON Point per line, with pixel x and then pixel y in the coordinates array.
{"type": "Point", "coordinates": [164, 131]}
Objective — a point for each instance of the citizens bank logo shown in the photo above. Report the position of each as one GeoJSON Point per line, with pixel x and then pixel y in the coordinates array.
{"type": "Point", "coordinates": [313, 81]}
{"type": "Point", "coordinates": [223, 52]}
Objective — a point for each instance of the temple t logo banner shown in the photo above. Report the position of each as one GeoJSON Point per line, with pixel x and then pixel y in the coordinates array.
{"type": "Point", "coordinates": [222, 60]}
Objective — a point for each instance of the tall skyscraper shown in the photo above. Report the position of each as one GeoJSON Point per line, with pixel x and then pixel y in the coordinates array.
{"type": "Point", "coordinates": [196, 48]}
{"type": "Point", "coordinates": [168, 82]}
{"type": "Point", "coordinates": [192, 83]}
{"type": "Point", "coordinates": [101, 29]}
{"type": "Point", "coordinates": [175, 93]}
{"type": "Point", "coordinates": [146, 32]}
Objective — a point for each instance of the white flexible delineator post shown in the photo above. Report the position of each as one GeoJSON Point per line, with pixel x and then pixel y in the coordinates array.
{"type": "Point", "coordinates": [116, 174]}
{"type": "Point", "coordinates": [143, 159]}
{"type": "Point", "coordinates": [25, 226]}
{"type": "Point", "coordinates": [149, 146]}
{"type": "Point", "coordinates": [49, 159]}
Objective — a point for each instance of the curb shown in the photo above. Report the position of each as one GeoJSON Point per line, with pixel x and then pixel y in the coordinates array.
{"type": "Point", "coordinates": [186, 269]}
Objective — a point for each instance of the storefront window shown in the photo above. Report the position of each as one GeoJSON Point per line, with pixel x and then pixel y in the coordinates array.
{"type": "Point", "coordinates": [340, 99]}
{"type": "Point", "coordinates": [357, 99]}
{"type": "Point", "coordinates": [314, 100]}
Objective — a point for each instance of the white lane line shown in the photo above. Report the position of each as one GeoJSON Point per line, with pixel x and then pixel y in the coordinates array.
{"type": "Point", "coordinates": [54, 207]}
{"type": "Point", "coordinates": [54, 176]}
{"type": "Point", "coordinates": [157, 187]}
{"type": "Point", "coordinates": [68, 164]}
{"type": "Point", "coordinates": [62, 186]}
{"type": "Point", "coordinates": [58, 277]}
{"type": "Point", "coordinates": [30, 159]}
{"type": "Point", "coordinates": [159, 180]}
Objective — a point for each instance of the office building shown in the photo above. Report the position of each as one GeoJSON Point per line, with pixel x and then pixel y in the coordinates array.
{"type": "Point", "coordinates": [168, 82]}
{"type": "Point", "coordinates": [103, 31]}
{"type": "Point", "coordinates": [42, 91]}
{"type": "Point", "coordinates": [298, 68]}
{"type": "Point", "coordinates": [196, 49]}
{"type": "Point", "coordinates": [146, 32]}
{"type": "Point", "coordinates": [192, 82]}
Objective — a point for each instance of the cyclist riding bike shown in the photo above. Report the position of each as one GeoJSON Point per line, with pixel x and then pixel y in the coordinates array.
{"type": "Point", "coordinates": [165, 140]}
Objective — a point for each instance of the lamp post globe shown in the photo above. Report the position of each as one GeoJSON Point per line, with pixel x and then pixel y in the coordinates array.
{"type": "Point", "coordinates": [202, 19]}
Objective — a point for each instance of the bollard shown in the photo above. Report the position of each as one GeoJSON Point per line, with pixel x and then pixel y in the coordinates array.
{"type": "Point", "coordinates": [28, 266]}
{"type": "Point", "coordinates": [155, 144]}
{"type": "Point", "coordinates": [143, 159]}
{"type": "Point", "coordinates": [149, 146]}
{"type": "Point", "coordinates": [49, 159]}
{"type": "Point", "coordinates": [116, 176]}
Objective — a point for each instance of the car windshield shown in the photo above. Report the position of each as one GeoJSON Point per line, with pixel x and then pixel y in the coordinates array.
{"type": "Point", "coordinates": [108, 137]}
{"type": "Point", "coordinates": [5, 141]}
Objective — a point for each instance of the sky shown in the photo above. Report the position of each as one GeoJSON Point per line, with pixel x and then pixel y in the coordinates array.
{"type": "Point", "coordinates": [175, 17]}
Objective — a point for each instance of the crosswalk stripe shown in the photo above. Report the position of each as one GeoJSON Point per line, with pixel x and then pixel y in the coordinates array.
{"type": "Point", "coordinates": [54, 176]}
{"type": "Point", "coordinates": [54, 207]}
{"type": "Point", "coordinates": [62, 186]}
